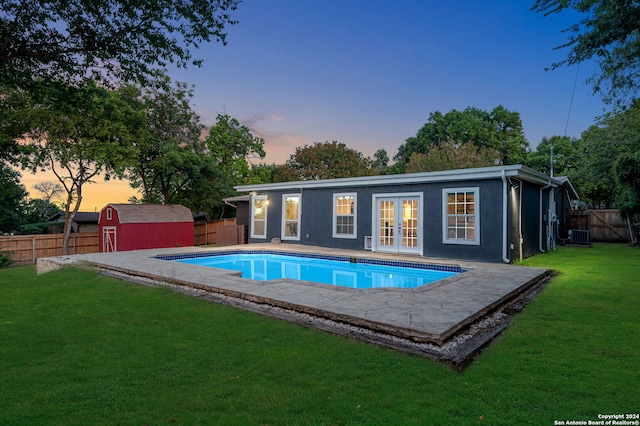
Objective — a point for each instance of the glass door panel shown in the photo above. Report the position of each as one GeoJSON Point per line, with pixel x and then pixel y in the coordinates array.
{"type": "Point", "coordinates": [386, 223]}
{"type": "Point", "coordinates": [398, 224]}
{"type": "Point", "coordinates": [291, 217]}
{"type": "Point", "coordinates": [410, 222]}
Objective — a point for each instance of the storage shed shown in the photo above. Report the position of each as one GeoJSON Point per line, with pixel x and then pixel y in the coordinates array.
{"type": "Point", "coordinates": [125, 227]}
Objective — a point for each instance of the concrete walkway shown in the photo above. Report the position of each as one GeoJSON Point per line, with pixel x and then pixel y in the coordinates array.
{"type": "Point", "coordinates": [432, 313]}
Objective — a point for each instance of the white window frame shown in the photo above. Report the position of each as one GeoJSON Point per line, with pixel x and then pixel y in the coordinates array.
{"type": "Point", "coordinates": [266, 213]}
{"type": "Point", "coordinates": [354, 234]}
{"type": "Point", "coordinates": [284, 237]}
{"type": "Point", "coordinates": [109, 214]}
{"type": "Point", "coordinates": [446, 215]}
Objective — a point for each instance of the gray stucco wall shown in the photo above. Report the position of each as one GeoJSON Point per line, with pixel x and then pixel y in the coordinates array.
{"type": "Point", "coordinates": [317, 215]}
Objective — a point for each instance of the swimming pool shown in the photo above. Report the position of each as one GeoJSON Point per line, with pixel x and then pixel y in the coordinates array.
{"type": "Point", "coordinates": [333, 270]}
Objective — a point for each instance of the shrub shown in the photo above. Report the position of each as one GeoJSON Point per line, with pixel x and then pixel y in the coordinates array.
{"type": "Point", "coordinates": [41, 228]}
{"type": "Point", "coordinates": [4, 260]}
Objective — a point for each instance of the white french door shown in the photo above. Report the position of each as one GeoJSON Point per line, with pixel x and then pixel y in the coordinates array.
{"type": "Point", "coordinates": [398, 223]}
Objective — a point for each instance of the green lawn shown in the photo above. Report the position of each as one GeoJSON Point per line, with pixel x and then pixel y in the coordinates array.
{"type": "Point", "coordinates": [80, 348]}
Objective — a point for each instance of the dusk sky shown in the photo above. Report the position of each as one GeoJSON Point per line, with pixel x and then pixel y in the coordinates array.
{"type": "Point", "coordinates": [369, 73]}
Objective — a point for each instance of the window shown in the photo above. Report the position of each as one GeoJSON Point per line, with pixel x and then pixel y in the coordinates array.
{"type": "Point", "coordinates": [291, 209]}
{"type": "Point", "coordinates": [109, 216]}
{"type": "Point", "coordinates": [461, 221]}
{"type": "Point", "coordinates": [259, 216]}
{"type": "Point", "coordinates": [344, 216]}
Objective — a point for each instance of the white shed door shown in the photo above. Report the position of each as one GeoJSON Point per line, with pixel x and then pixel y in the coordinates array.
{"type": "Point", "coordinates": [108, 239]}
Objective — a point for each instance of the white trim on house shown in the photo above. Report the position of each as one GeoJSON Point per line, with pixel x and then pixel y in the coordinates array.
{"type": "Point", "coordinates": [497, 172]}
{"type": "Point", "coordinates": [292, 225]}
{"type": "Point", "coordinates": [375, 219]}
{"type": "Point", "coordinates": [354, 215]}
{"type": "Point", "coordinates": [446, 237]}
{"type": "Point", "coordinates": [255, 198]}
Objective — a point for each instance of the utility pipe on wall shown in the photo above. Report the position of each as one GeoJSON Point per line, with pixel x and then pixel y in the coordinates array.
{"type": "Point", "coordinates": [505, 194]}
{"type": "Point", "coordinates": [520, 239]}
{"type": "Point", "coordinates": [540, 216]}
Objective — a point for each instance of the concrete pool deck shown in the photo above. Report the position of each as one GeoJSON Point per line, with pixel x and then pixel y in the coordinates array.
{"type": "Point", "coordinates": [431, 314]}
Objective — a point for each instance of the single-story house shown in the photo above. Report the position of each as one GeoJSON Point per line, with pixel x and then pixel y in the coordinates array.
{"type": "Point", "coordinates": [125, 227]}
{"type": "Point", "coordinates": [82, 221]}
{"type": "Point", "coordinates": [494, 214]}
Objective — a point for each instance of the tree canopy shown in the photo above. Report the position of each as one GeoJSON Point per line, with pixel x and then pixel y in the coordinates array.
{"type": "Point", "coordinates": [451, 155]}
{"type": "Point", "coordinates": [609, 33]}
{"type": "Point", "coordinates": [79, 133]}
{"type": "Point", "coordinates": [63, 40]}
{"type": "Point", "coordinates": [567, 153]}
{"type": "Point", "coordinates": [499, 130]}
{"type": "Point", "coordinates": [226, 153]}
{"type": "Point", "coordinates": [12, 194]}
{"type": "Point", "coordinates": [326, 160]}
{"type": "Point", "coordinates": [609, 160]}
{"type": "Point", "coordinates": [166, 156]}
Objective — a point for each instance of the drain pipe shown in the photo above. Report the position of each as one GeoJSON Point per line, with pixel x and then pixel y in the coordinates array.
{"type": "Point", "coordinates": [520, 239]}
{"type": "Point", "coordinates": [540, 216]}
{"type": "Point", "coordinates": [505, 194]}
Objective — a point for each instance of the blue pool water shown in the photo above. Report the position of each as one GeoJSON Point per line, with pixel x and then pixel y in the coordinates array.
{"type": "Point", "coordinates": [345, 272]}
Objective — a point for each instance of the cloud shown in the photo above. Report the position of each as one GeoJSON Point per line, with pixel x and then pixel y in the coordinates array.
{"type": "Point", "coordinates": [278, 144]}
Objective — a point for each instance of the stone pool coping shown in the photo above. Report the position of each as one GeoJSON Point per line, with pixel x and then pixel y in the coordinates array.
{"type": "Point", "coordinates": [430, 314]}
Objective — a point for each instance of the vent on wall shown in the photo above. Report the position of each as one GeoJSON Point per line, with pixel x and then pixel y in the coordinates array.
{"type": "Point", "coordinates": [580, 237]}
{"type": "Point", "coordinates": [367, 243]}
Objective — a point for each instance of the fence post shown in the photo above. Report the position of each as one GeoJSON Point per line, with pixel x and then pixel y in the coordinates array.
{"type": "Point", "coordinates": [33, 251]}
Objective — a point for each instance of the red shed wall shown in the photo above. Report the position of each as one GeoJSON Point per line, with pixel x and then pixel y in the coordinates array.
{"type": "Point", "coordinates": [103, 221]}
{"type": "Point", "coordinates": [137, 236]}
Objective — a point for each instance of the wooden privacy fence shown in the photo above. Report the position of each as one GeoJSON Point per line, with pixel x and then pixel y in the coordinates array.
{"type": "Point", "coordinates": [206, 233]}
{"type": "Point", "coordinates": [604, 225]}
{"type": "Point", "coordinates": [25, 249]}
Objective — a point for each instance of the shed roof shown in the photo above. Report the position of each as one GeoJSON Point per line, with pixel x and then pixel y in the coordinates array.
{"type": "Point", "coordinates": [151, 213]}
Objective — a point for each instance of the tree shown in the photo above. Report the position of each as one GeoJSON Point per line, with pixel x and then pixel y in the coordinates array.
{"type": "Point", "coordinates": [381, 161]}
{"type": "Point", "coordinates": [232, 144]}
{"type": "Point", "coordinates": [627, 171]}
{"type": "Point", "coordinates": [62, 40]}
{"type": "Point", "coordinates": [608, 33]}
{"type": "Point", "coordinates": [451, 155]}
{"type": "Point", "coordinates": [499, 130]}
{"type": "Point", "coordinates": [12, 195]}
{"type": "Point", "coordinates": [49, 190]}
{"type": "Point", "coordinates": [79, 133]}
{"type": "Point", "coordinates": [608, 159]}
{"type": "Point", "coordinates": [227, 150]}
{"type": "Point", "coordinates": [13, 122]}
{"type": "Point", "coordinates": [38, 210]}
{"type": "Point", "coordinates": [262, 173]}
{"type": "Point", "coordinates": [566, 155]}
{"type": "Point", "coordinates": [327, 160]}
{"type": "Point", "coordinates": [167, 156]}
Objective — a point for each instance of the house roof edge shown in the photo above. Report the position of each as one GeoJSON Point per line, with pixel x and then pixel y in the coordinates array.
{"type": "Point", "coordinates": [517, 171]}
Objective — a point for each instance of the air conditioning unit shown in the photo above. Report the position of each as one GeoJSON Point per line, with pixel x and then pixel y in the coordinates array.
{"type": "Point", "coordinates": [579, 237]}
